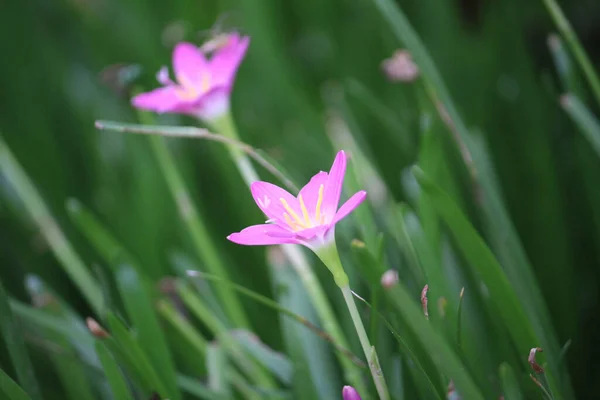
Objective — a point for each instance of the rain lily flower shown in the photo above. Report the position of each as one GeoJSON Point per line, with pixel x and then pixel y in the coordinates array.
{"type": "Point", "coordinates": [308, 219]}
{"type": "Point", "coordinates": [202, 86]}
{"type": "Point", "coordinates": [349, 393]}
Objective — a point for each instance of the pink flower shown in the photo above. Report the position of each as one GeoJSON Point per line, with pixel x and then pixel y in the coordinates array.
{"type": "Point", "coordinates": [202, 87]}
{"type": "Point", "coordinates": [308, 219]}
{"type": "Point", "coordinates": [349, 393]}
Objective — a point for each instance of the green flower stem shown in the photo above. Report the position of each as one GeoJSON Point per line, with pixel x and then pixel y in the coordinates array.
{"type": "Point", "coordinates": [226, 126]}
{"type": "Point", "coordinates": [319, 300]}
{"type": "Point", "coordinates": [330, 257]}
{"type": "Point", "coordinates": [198, 231]}
{"type": "Point", "coordinates": [352, 373]}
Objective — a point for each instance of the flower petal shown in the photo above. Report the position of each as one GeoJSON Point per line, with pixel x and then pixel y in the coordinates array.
{"type": "Point", "coordinates": [226, 61]}
{"type": "Point", "coordinates": [349, 206]}
{"type": "Point", "coordinates": [212, 105]}
{"type": "Point", "coordinates": [190, 66]}
{"type": "Point", "coordinates": [333, 190]}
{"type": "Point", "coordinates": [159, 100]}
{"type": "Point", "coordinates": [267, 197]}
{"type": "Point", "coordinates": [310, 192]}
{"type": "Point", "coordinates": [311, 233]}
{"type": "Point", "coordinates": [262, 235]}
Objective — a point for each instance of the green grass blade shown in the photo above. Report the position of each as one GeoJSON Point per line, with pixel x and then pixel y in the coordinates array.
{"type": "Point", "coordinates": [483, 263]}
{"type": "Point", "coordinates": [11, 389]}
{"type": "Point", "coordinates": [216, 364]}
{"type": "Point", "coordinates": [74, 379]}
{"type": "Point", "coordinates": [97, 235]}
{"type": "Point", "coordinates": [115, 379]}
{"type": "Point", "coordinates": [12, 333]}
{"type": "Point", "coordinates": [131, 349]}
{"type": "Point", "coordinates": [582, 58]}
{"type": "Point", "coordinates": [584, 119]}
{"type": "Point", "coordinates": [518, 268]}
{"type": "Point", "coordinates": [235, 351]}
{"type": "Point", "coordinates": [61, 247]}
{"type": "Point", "coordinates": [139, 306]}
{"type": "Point", "coordinates": [282, 310]}
{"type": "Point", "coordinates": [278, 364]}
{"type": "Point", "coordinates": [442, 353]}
{"type": "Point", "coordinates": [567, 73]}
{"type": "Point", "coordinates": [136, 298]}
{"type": "Point", "coordinates": [199, 347]}
{"type": "Point", "coordinates": [510, 385]}
{"type": "Point", "coordinates": [198, 390]}
{"type": "Point", "coordinates": [43, 320]}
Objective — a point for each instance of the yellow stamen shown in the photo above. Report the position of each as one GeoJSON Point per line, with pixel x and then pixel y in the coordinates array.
{"type": "Point", "coordinates": [205, 83]}
{"type": "Point", "coordinates": [289, 209]}
{"type": "Point", "coordinates": [319, 202]}
{"type": "Point", "coordinates": [304, 211]}
{"type": "Point", "coordinates": [289, 221]}
{"type": "Point", "coordinates": [187, 90]}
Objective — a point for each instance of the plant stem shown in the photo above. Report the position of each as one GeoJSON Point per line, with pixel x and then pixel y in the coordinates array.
{"type": "Point", "coordinates": [226, 126]}
{"type": "Point", "coordinates": [369, 350]}
{"type": "Point", "coordinates": [331, 258]}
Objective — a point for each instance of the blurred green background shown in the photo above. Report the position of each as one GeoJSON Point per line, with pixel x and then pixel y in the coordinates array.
{"type": "Point", "coordinates": [307, 59]}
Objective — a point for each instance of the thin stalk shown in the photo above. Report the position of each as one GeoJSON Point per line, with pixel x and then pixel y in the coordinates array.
{"type": "Point", "coordinates": [366, 345]}
{"type": "Point", "coordinates": [198, 133]}
{"type": "Point", "coordinates": [331, 258]}
{"type": "Point", "coordinates": [207, 251]}
{"type": "Point", "coordinates": [352, 373]}
{"type": "Point", "coordinates": [580, 55]}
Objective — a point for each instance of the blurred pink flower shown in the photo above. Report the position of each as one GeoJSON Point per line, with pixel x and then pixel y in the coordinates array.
{"type": "Point", "coordinates": [349, 393]}
{"type": "Point", "coordinates": [308, 219]}
{"type": "Point", "coordinates": [202, 86]}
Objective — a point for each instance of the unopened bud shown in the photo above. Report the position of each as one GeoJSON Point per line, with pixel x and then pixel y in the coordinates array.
{"type": "Point", "coordinates": [389, 278]}
{"type": "Point", "coordinates": [349, 393]}
{"type": "Point", "coordinates": [400, 67]}
{"type": "Point", "coordinates": [96, 329]}
{"type": "Point", "coordinates": [534, 365]}
{"type": "Point", "coordinates": [424, 300]}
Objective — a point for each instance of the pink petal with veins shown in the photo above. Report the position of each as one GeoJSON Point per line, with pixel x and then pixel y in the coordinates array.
{"type": "Point", "coordinates": [333, 190]}
{"type": "Point", "coordinates": [160, 100]}
{"type": "Point", "coordinates": [190, 65]}
{"type": "Point", "coordinates": [310, 192]}
{"type": "Point", "coordinates": [267, 197]}
{"type": "Point", "coordinates": [226, 61]}
{"type": "Point", "coordinates": [349, 206]}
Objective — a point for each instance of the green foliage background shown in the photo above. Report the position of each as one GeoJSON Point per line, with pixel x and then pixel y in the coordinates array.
{"type": "Point", "coordinates": [308, 61]}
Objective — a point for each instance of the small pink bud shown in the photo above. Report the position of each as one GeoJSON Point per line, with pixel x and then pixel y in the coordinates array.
{"type": "Point", "coordinates": [95, 328]}
{"type": "Point", "coordinates": [389, 278]}
{"type": "Point", "coordinates": [424, 301]}
{"type": "Point", "coordinates": [400, 67]}
{"type": "Point", "coordinates": [349, 393]}
{"type": "Point", "coordinates": [534, 365]}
